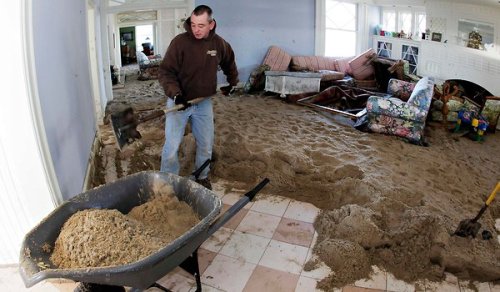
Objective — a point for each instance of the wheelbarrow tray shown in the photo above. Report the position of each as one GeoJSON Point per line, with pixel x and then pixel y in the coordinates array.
{"type": "Point", "coordinates": [123, 195]}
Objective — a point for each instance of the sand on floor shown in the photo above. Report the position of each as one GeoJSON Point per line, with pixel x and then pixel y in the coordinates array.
{"type": "Point", "coordinates": [384, 202]}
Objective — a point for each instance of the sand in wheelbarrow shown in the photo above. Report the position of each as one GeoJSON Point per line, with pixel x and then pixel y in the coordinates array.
{"type": "Point", "coordinates": [99, 238]}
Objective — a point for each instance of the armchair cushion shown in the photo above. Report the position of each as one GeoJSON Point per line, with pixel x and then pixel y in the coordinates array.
{"type": "Point", "coordinates": [394, 116]}
{"type": "Point", "coordinates": [400, 89]}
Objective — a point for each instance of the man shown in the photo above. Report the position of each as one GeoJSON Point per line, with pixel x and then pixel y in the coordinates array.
{"type": "Point", "coordinates": [189, 71]}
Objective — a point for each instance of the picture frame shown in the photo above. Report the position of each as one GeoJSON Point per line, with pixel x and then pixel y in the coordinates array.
{"type": "Point", "coordinates": [128, 36]}
{"type": "Point", "coordinates": [436, 36]}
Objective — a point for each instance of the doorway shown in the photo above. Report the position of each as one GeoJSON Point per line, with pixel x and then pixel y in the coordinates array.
{"type": "Point", "coordinates": [145, 39]}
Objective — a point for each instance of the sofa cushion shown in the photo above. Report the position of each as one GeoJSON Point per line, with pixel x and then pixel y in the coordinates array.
{"type": "Point", "coordinates": [361, 66]}
{"type": "Point", "coordinates": [328, 75]}
{"type": "Point", "coordinates": [342, 65]}
{"type": "Point", "coordinates": [277, 59]}
{"type": "Point", "coordinates": [313, 63]}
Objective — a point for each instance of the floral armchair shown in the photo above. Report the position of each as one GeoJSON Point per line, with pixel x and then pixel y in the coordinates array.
{"type": "Point", "coordinates": [148, 66]}
{"type": "Point", "coordinates": [401, 114]}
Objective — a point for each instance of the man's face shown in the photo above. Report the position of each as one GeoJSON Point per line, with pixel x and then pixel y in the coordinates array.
{"type": "Point", "coordinates": [200, 26]}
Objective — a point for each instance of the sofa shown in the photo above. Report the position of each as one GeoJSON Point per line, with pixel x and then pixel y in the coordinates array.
{"type": "Point", "coordinates": [330, 68]}
{"type": "Point", "coordinates": [393, 115]}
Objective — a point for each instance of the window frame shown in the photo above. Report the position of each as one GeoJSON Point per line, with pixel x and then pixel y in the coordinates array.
{"type": "Point", "coordinates": [415, 12]}
{"type": "Point", "coordinates": [320, 31]}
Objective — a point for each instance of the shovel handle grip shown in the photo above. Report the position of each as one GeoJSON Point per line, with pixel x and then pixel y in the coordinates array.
{"type": "Point", "coordinates": [493, 194]}
{"type": "Point", "coordinates": [180, 106]}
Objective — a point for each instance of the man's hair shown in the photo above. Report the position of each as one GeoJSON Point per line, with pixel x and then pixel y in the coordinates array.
{"type": "Point", "coordinates": [200, 9]}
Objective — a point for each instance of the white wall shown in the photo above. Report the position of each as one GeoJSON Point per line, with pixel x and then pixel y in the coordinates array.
{"type": "Point", "coordinates": [61, 60]}
{"type": "Point", "coordinates": [26, 192]}
{"type": "Point", "coordinates": [451, 61]}
{"type": "Point", "coordinates": [447, 13]}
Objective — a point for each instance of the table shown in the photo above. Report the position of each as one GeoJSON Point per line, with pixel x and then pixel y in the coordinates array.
{"type": "Point", "coordinates": [285, 82]}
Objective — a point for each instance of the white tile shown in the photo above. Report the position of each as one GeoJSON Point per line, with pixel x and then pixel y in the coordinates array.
{"type": "Point", "coordinates": [215, 242]}
{"type": "Point", "coordinates": [284, 257]}
{"type": "Point", "coordinates": [376, 280]}
{"type": "Point", "coordinates": [10, 280]}
{"type": "Point", "coordinates": [259, 224]}
{"type": "Point", "coordinates": [232, 198]}
{"type": "Point", "coordinates": [228, 274]}
{"type": "Point", "coordinates": [272, 205]}
{"type": "Point", "coordinates": [443, 286]}
{"type": "Point", "coordinates": [178, 280]}
{"type": "Point", "coordinates": [206, 288]}
{"type": "Point", "coordinates": [306, 284]}
{"type": "Point", "coordinates": [301, 211]}
{"type": "Point", "coordinates": [320, 272]}
{"type": "Point", "coordinates": [397, 285]}
{"type": "Point", "coordinates": [244, 246]}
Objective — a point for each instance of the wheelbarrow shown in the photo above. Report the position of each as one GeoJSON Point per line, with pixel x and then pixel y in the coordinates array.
{"type": "Point", "coordinates": [123, 195]}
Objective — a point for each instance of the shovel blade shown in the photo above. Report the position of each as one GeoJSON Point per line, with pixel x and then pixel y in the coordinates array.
{"type": "Point", "coordinates": [467, 227]}
{"type": "Point", "coordinates": [124, 127]}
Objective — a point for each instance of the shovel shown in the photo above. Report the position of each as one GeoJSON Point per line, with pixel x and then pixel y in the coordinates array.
{"type": "Point", "coordinates": [125, 123]}
{"type": "Point", "coordinates": [470, 227]}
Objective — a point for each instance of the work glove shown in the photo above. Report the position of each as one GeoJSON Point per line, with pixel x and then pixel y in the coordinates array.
{"type": "Point", "coordinates": [227, 90]}
{"type": "Point", "coordinates": [180, 99]}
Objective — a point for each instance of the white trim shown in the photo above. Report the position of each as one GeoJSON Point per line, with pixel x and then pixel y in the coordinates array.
{"type": "Point", "coordinates": [320, 29]}
{"type": "Point", "coordinates": [93, 64]}
{"type": "Point", "coordinates": [414, 10]}
{"type": "Point", "coordinates": [319, 37]}
{"type": "Point", "coordinates": [142, 6]}
{"type": "Point", "coordinates": [34, 102]}
{"type": "Point", "coordinates": [90, 165]}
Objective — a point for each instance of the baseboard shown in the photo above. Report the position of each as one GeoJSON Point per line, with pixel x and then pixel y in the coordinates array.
{"type": "Point", "coordinates": [96, 147]}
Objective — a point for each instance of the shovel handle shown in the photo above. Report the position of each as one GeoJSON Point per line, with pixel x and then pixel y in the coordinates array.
{"type": "Point", "coordinates": [181, 106]}
{"type": "Point", "coordinates": [493, 194]}
{"type": "Point", "coordinates": [487, 203]}
{"type": "Point", "coordinates": [159, 113]}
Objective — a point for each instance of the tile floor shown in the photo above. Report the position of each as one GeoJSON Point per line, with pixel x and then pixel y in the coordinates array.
{"type": "Point", "coordinates": [262, 248]}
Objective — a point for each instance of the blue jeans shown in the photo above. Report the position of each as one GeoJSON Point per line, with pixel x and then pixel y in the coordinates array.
{"type": "Point", "coordinates": [202, 126]}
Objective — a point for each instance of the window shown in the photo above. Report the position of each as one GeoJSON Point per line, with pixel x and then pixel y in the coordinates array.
{"type": "Point", "coordinates": [340, 28]}
{"type": "Point", "coordinates": [420, 22]}
{"type": "Point", "coordinates": [389, 20]}
{"type": "Point", "coordinates": [410, 20]}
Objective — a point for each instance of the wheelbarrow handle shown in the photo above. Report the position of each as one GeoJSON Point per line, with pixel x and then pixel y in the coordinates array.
{"type": "Point", "coordinates": [197, 172]}
{"type": "Point", "coordinates": [236, 207]}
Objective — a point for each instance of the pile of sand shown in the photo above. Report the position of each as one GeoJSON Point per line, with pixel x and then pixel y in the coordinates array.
{"type": "Point", "coordinates": [100, 238]}
{"type": "Point", "coordinates": [396, 201]}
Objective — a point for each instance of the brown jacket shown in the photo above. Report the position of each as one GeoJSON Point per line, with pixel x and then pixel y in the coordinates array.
{"type": "Point", "coordinates": [190, 65]}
